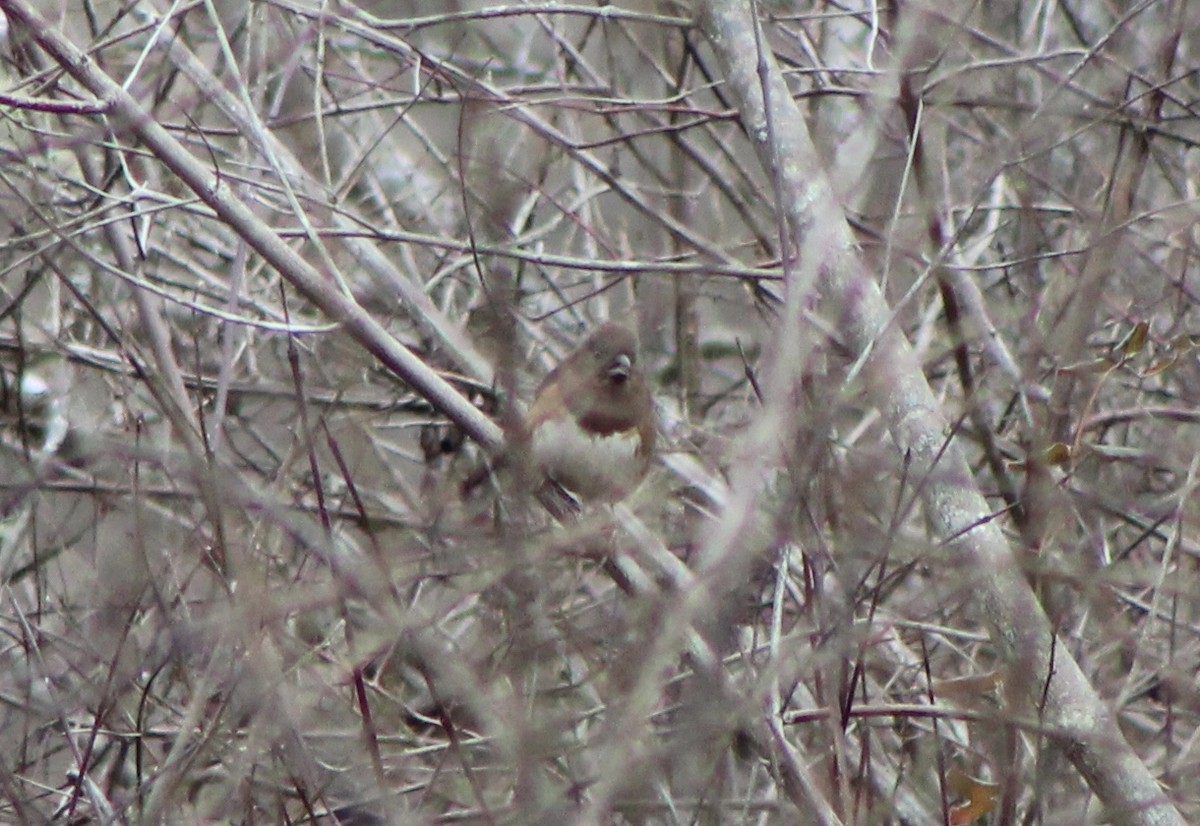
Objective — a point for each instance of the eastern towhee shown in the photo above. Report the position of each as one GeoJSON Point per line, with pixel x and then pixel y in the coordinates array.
{"type": "Point", "coordinates": [592, 425]}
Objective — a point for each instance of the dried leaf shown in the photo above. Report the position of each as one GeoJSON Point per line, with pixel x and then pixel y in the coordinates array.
{"type": "Point", "coordinates": [978, 797]}
{"type": "Point", "coordinates": [968, 690]}
{"type": "Point", "coordinates": [1135, 341]}
{"type": "Point", "coordinates": [1087, 368]}
{"type": "Point", "coordinates": [1057, 454]}
{"type": "Point", "coordinates": [1160, 365]}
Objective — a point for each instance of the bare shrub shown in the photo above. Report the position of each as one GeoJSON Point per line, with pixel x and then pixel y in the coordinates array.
{"type": "Point", "coordinates": [914, 286]}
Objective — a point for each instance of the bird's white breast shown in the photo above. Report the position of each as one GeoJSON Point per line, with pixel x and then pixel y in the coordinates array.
{"type": "Point", "coordinates": [591, 466]}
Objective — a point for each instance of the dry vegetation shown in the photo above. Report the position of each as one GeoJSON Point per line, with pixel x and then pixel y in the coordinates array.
{"type": "Point", "coordinates": [240, 584]}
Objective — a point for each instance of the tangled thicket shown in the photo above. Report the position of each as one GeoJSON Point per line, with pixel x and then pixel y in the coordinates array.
{"type": "Point", "coordinates": [243, 580]}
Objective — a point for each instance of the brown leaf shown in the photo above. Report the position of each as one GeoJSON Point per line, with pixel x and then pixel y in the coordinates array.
{"type": "Point", "coordinates": [967, 690]}
{"type": "Point", "coordinates": [978, 797]}
{"type": "Point", "coordinates": [1135, 341]}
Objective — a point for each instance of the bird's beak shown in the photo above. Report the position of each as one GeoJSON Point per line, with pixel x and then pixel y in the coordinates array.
{"type": "Point", "coordinates": [620, 367]}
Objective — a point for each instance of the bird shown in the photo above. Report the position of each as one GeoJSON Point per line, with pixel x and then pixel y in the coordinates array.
{"type": "Point", "coordinates": [592, 427]}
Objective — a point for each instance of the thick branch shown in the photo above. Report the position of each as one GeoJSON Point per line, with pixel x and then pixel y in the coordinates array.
{"type": "Point", "coordinates": [1070, 707]}
{"type": "Point", "coordinates": [122, 108]}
